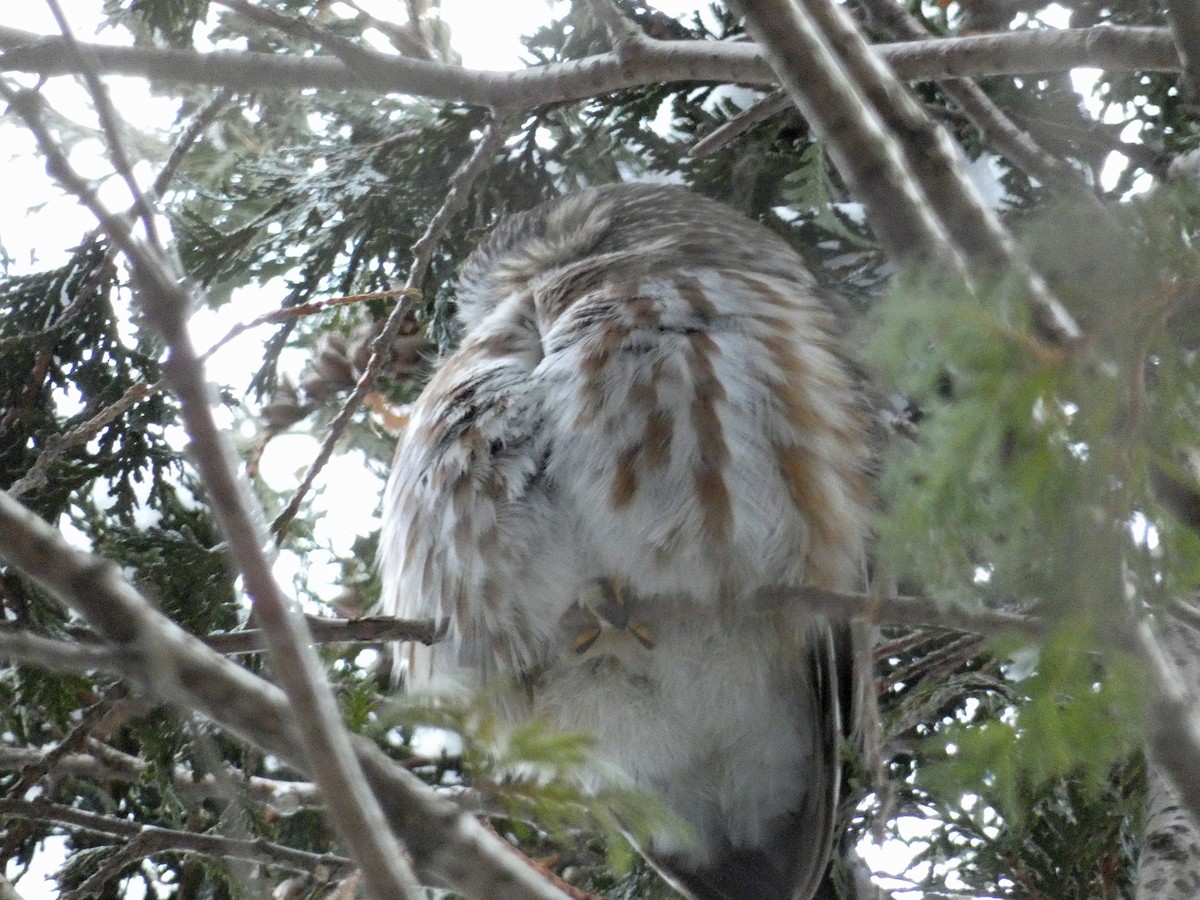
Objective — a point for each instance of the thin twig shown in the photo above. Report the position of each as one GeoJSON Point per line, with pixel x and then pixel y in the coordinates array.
{"type": "Point", "coordinates": [287, 313]}
{"type": "Point", "coordinates": [755, 114]}
{"type": "Point", "coordinates": [356, 56]}
{"type": "Point", "coordinates": [900, 610]}
{"type": "Point", "coordinates": [110, 121]}
{"type": "Point", "coordinates": [187, 139]}
{"type": "Point", "coordinates": [31, 774]}
{"type": "Point", "coordinates": [456, 200]}
{"type": "Point", "coordinates": [76, 738]}
{"type": "Point", "coordinates": [366, 630]}
{"type": "Point", "coordinates": [104, 761]}
{"type": "Point", "coordinates": [36, 477]}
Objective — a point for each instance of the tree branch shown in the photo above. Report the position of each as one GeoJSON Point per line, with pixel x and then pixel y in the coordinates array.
{"type": "Point", "coordinates": [1184, 19]}
{"type": "Point", "coordinates": [964, 229]}
{"type": "Point", "coordinates": [104, 764]}
{"type": "Point", "coordinates": [152, 839]}
{"type": "Point", "coordinates": [110, 122]}
{"type": "Point", "coordinates": [352, 807]}
{"type": "Point", "coordinates": [447, 845]}
{"type": "Point", "coordinates": [918, 612]}
{"type": "Point", "coordinates": [995, 127]}
{"type": "Point", "coordinates": [1118, 49]}
{"type": "Point", "coordinates": [365, 630]}
{"type": "Point", "coordinates": [811, 66]}
{"type": "Point", "coordinates": [48, 653]}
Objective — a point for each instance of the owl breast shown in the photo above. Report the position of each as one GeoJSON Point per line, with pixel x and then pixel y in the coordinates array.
{"type": "Point", "coordinates": [693, 437]}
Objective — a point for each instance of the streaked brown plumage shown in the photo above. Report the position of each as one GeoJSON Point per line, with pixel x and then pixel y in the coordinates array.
{"type": "Point", "coordinates": [649, 412]}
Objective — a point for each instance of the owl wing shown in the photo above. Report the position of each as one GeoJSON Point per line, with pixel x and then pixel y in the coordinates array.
{"type": "Point", "coordinates": [470, 535]}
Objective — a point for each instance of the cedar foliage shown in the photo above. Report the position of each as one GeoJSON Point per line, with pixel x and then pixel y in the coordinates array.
{"type": "Point", "coordinates": [1015, 767]}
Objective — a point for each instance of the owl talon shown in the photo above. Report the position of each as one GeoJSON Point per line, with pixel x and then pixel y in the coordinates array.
{"type": "Point", "coordinates": [644, 634]}
{"type": "Point", "coordinates": [605, 605]}
{"type": "Point", "coordinates": [586, 638]}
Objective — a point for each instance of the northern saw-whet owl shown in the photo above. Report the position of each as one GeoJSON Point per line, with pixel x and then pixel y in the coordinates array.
{"type": "Point", "coordinates": [648, 419]}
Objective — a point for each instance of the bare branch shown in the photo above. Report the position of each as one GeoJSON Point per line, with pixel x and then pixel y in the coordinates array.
{"type": "Point", "coordinates": [187, 140]}
{"type": "Point", "coordinates": [904, 167]}
{"type": "Point", "coordinates": [1184, 18]}
{"type": "Point", "coordinates": [104, 764]}
{"type": "Point", "coordinates": [352, 807]}
{"type": "Point", "coordinates": [367, 630]}
{"type": "Point", "coordinates": [867, 156]}
{"type": "Point", "coordinates": [357, 57]}
{"type": "Point", "coordinates": [447, 845]}
{"type": "Point", "coordinates": [110, 122]}
{"type": "Point", "coordinates": [288, 313]}
{"type": "Point", "coordinates": [912, 611]}
{"type": "Point", "coordinates": [152, 839]}
{"type": "Point", "coordinates": [996, 128]}
{"type": "Point", "coordinates": [7, 891]}
{"type": "Point", "coordinates": [1118, 49]}
{"type": "Point", "coordinates": [456, 199]}
{"type": "Point", "coordinates": [55, 655]}
{"type": "Point", "coordinates": [758, 112]}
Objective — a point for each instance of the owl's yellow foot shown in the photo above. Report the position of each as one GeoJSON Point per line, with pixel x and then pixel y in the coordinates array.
{"type": "Point", "coordinates": [605, 605]}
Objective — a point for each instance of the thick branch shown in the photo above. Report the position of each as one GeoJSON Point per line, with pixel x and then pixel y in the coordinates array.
{"type": "Point", "coordinates": [865, 153]}
{"type": "Point", "coordinates": [1113, 48]}
{"type": "Point", "coordinates": [351, 805]}
{"type": "Point", "coordinates": [996, 128]}
{"type": "Point", "coordinates": [967, 229]}
{"type": "Point", "coordinates": [447, 845]}
{"type": "Point", "coordinates": [1184, 16]}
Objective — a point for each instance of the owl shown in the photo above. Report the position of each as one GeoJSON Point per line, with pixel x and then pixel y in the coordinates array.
{"type": "Point", "coordinates": [649, 418]}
